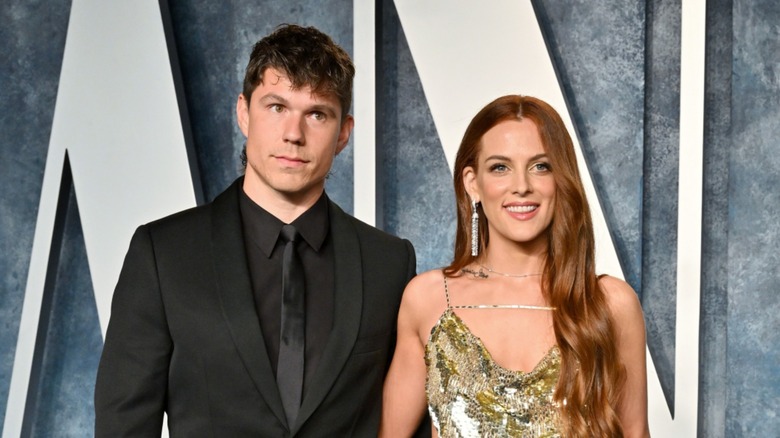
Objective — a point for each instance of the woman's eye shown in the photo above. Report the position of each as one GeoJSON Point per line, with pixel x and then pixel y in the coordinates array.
{"type": "Point", "coordinates": [498, 167]}
{"type": "Point", "coordinates": [541, 167]}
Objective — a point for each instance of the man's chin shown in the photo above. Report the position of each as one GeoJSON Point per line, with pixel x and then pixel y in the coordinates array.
{"type": "Point", "coordinates": [299, 192]}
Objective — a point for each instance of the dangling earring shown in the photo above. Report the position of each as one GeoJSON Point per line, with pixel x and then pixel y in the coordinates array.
{"type": "Point", "coordinates": [474, 229]}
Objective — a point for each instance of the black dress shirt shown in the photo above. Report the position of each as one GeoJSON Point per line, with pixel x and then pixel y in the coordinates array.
{"type": "Point", "coordinates": [264, 248]}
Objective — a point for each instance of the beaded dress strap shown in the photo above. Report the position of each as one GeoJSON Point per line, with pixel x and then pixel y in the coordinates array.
{"type": "Point", "coordinates": [447, 293]}
{"type": "Point", "coordinates": [490, 306]}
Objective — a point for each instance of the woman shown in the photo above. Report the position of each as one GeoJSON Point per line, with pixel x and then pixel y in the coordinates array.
{"type": "Point", "coordinates": [518, 336]}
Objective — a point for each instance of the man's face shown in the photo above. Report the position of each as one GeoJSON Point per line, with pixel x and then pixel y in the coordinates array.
{"type": "Point", "coordinates": [292, 138]}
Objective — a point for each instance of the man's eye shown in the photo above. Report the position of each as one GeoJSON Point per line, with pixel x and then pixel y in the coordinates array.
{"type": "Point", "coordinates": [317, 115]}
{"type": "Point", "coordinates": [275, 108]}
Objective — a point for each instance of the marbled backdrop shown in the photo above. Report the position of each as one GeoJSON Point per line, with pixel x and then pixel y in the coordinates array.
{"type": "Point", "coordinates": [618, 64]}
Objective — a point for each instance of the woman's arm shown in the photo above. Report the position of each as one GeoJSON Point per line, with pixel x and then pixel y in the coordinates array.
{"type": "Point", "coordinates": [631, 343]}
{"type": "Point", "coordinates": [404, 401]}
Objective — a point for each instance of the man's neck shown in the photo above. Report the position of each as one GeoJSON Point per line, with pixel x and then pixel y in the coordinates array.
{"type": "Point", "coordinates": [285, 207]}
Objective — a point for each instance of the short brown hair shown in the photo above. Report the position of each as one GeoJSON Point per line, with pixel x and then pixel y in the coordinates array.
{"type": "Point", "coordinates": [307, 57]}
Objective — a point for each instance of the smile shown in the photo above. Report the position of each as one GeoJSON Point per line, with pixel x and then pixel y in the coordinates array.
{"type": "Point", "coordinates": [521, 208]}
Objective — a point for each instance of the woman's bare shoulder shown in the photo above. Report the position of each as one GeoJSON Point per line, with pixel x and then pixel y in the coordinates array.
{"type": "Point", "coordinates": [425, 286]}
{"type": "Point", "coordinates": [623, 301]}
{"type": "Point", "coordinates": [617, 291]}
{"type": "Point", "coordinates": [424, 296]}
{"type": "Point", "coordinates": [428, 279]}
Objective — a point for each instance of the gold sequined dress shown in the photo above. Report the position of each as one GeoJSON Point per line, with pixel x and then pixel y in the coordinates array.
{"type": "Point", "coordinates": [470, 395]}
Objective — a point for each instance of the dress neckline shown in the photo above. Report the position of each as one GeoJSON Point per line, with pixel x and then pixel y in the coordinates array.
{"type": "Point", "coordinates": [552, 353]}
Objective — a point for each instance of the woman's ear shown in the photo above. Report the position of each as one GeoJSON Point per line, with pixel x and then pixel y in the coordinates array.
{"type": "Point", "coordinates": [470, 183]}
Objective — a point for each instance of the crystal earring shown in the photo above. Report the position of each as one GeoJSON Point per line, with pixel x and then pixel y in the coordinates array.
{"type": "Point", "coordinates": [474, 229]}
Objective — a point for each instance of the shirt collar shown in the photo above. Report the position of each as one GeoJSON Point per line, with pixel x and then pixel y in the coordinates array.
{"type": "Point", "coordinates": [263, 228]}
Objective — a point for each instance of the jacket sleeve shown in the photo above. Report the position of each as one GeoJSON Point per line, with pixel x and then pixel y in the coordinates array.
{"type": "Point", "coordinates": [411, 269]}
{"type": "Point", "coordinates": [132, 377]}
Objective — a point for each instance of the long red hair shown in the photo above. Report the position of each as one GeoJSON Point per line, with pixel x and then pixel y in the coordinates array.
{"type": "Point", "coordinates": [592, 376]}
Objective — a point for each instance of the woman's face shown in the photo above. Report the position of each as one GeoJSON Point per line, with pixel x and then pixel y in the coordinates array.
{"type": "Point", "coordinates": [514, 183]}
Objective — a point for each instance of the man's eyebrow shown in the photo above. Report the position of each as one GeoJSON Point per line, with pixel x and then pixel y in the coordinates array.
{"type": "Point", "coordinates": [272, 97]}
{"type": "Point", "coordinates": [322, 107]}
{"type": "Point", "coordinates": [325, 108]}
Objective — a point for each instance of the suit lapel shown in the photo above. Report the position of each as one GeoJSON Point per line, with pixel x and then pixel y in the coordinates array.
{"type": "Point", "coordinates": [348, 302]}
{"type": "Point", "coordinates": [235, 293]}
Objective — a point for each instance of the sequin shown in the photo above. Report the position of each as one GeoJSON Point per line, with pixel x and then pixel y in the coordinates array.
{"type": "Point", "coordinates": [469, 395]}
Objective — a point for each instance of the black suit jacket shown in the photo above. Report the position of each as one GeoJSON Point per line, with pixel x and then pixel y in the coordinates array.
{"type": "Point", "coordinates": [184, 336]}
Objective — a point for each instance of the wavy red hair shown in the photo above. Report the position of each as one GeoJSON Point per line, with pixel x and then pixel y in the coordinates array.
{"type": "Point", "coordinates": [591, 376]}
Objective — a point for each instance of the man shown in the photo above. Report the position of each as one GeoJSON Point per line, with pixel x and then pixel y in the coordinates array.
{"type": "Point", "coordinates": [203, 326]}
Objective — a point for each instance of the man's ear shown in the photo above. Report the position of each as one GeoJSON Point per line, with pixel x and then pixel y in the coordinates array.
{"type": "Point", "coordinates": [470, 183]}
{"type": "Point", "coordinates": [242, 114]}
{"type": "Point", "coordinates": [344, 133]}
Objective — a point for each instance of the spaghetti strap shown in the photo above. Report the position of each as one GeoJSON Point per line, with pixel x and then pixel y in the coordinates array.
{"type": "Point", "coordinates": [446, 291]}
{"type": "Point", "coordinates": [488, 306]}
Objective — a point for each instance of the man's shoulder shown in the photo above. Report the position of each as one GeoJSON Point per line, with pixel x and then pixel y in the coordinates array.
{"type": "Point", "coordinates": [366, 231]}
{"type": "Point", "coordinates": [196, 216]}
{"type": "Point", "coordinates": [183, 218]}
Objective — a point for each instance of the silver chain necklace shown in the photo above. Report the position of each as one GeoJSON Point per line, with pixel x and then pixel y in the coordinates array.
{"type": "Point", "coordinates": [482, 274]}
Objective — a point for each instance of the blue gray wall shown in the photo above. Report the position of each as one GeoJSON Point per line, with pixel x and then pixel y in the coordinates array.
{"type": "Point", "coordinates": [619, 66]}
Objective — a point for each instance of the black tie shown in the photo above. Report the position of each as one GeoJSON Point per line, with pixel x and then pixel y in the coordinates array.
{"type": "Point", "coordinates": [289, 374]}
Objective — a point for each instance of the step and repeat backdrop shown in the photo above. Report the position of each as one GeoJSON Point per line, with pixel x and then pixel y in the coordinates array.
{"type": "Point", "coordinates": [112, 115]}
